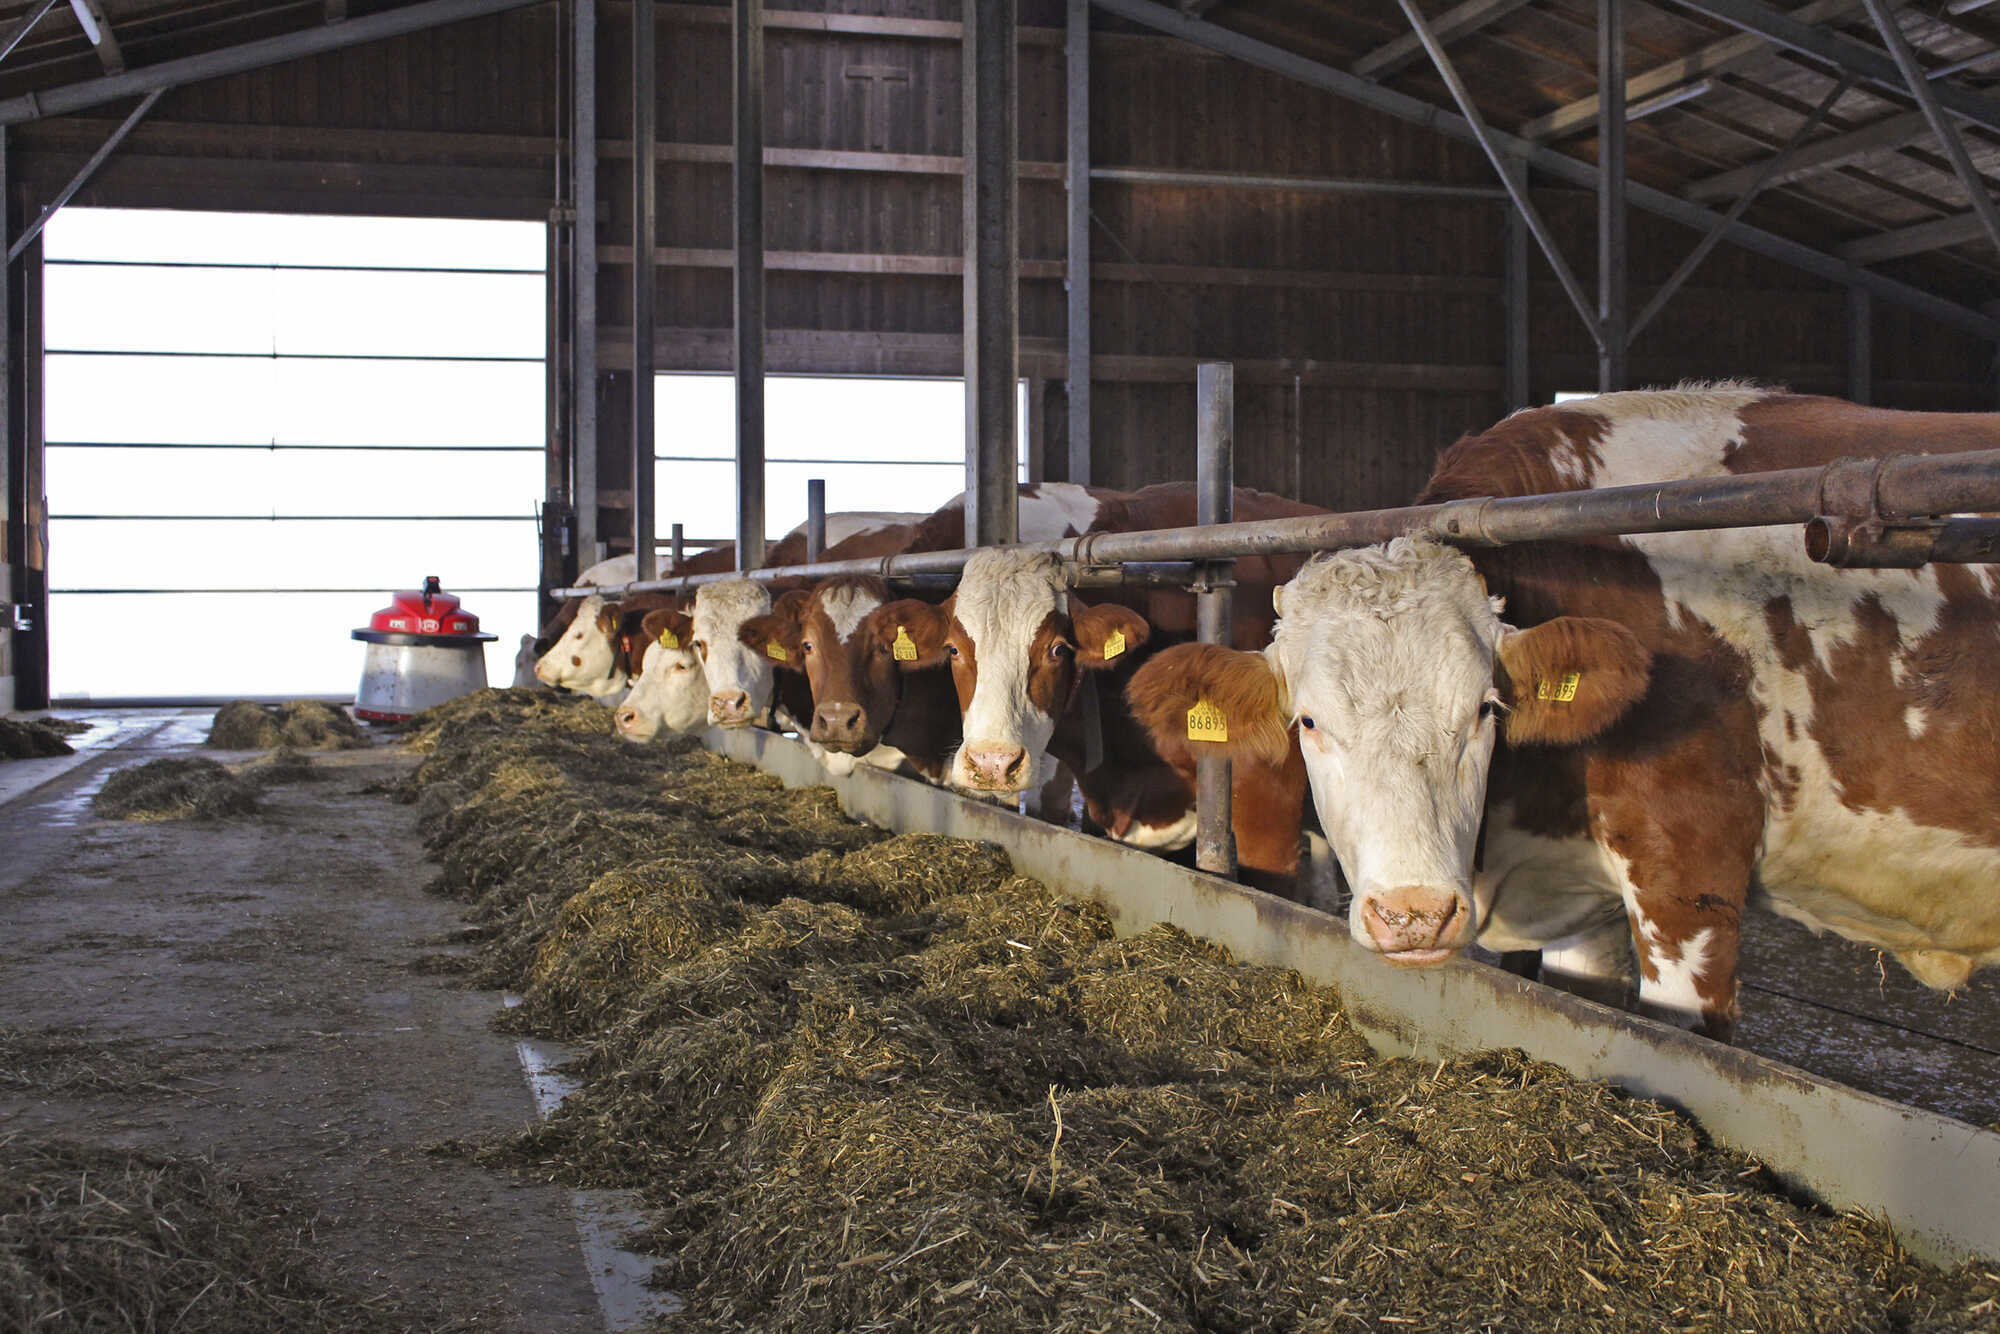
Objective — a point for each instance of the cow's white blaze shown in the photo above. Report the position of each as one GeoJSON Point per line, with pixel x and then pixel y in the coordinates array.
{"type": "Point", "coordinates": [845, 607]}
{"type": "Point", "coordinates": [1057, 509]}
{"type": "Point", "coordinates": [728, 665]}
{"type": "Point", "coordinates": [584, 659]}
{"type": "Point", "coordinates": [1003, 597]}
{"type": "Point", "coordinates": [1387, 653]}
{"type": "Point", "coordinates": [670, 695]}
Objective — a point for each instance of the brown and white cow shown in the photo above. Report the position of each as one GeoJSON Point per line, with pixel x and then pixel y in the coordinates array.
{"type": "Point", "coordinates": [670, 694]}
{"type": "Point", "coordinates": [1617, 744]}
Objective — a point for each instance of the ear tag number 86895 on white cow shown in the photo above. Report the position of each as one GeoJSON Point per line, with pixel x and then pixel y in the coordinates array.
{"type": "Point", "coordinates": [1205, 722]}
{"type": "Point", "coordinates": [1562, 692]}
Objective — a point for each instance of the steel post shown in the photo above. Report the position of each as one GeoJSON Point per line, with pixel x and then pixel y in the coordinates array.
{"type": "Point", "coordinates": [992, 269]}
{"type": "Point", "coordinates": [1517, 293]}
{"type": "Point", "coordinates": [747, 36]}
{"type": "Point", "coordinates": [645, 236]}
{"type": "Point", "coordinates": [815, 517]}
{"type": "Point", "coordinates": [677, 552]}
{"type": "Point", "coordinates": [1076, 48]}
{"type": "Point", "coordinates": [1860, 346]}
{"type": "Point", "coordinates": [1214, 482]}
{"type": "Point", "coordinates": [1612, 310]}
{"type": "Point", "coordinates": [583, 285]}
{"type": "Point", "coordinates": [83, 175]}
{"type": "Point", "coordinates": [555, 523]}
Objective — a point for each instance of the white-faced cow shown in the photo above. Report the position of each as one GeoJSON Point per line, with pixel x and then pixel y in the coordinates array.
{"type": "Point", "coordinates": [670, 694]}
{"type": "Point", "coordinates": [1616, 744]}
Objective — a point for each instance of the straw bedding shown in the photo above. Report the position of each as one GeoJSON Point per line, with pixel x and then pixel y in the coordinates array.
{"type": "Point", "coordinates": [882, 1083]}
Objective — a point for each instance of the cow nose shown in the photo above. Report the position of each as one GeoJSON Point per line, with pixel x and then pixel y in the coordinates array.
{"type": "Point", "coordinates": [1425, 924]}
{"type": "Point", "coordinates": [545, 673]}
{"type": "Point", "coordinates": [837, 723]}
{"type": "Point", "coordinates": [996, 767]}
{"type": "Point", "coordinates": [627, 718]}
{"type": "Point", "coordinates": [729, 707]}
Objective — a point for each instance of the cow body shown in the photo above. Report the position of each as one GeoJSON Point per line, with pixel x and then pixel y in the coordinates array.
{"type": "Point", "coordinates": [1662, 727]}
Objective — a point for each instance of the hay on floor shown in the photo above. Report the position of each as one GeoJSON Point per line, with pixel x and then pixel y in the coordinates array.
{"type": "Point", "coordinates": [174, 789]}
{"type": "Point", "coordinates": [30, 739]}
{"type": "Point", "coordinates": [300, 724]}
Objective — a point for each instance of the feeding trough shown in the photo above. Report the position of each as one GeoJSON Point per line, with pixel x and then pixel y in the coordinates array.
{"type": "Point", "coordinates": [423, 649]}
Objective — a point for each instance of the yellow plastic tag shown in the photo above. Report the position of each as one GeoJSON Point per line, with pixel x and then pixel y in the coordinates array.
{"type": "Point", "coordinates": [774, 651]}
{"type": "Point", "coordinates": [1114, 645]}
{"type": "Point", "coordinates": [1207, 723]}
{"type": "Point", "coordinates": [668, 639]}
{"type": "Point", "coordinates": [1561, 692]}
{"type": "Point", "coordinates": [905, 648]}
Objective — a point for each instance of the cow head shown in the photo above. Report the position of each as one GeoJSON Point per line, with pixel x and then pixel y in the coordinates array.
{"type": "Point", "coordinates": [739, 676]}
{"type": "Point", "coordinates": [1017, 644]}
{"type": "Point", "coordinates": [670, 693]}
{"type": "Point", "coordinates": [1399, 675]}
{"type": "Point", "coordinates": [585, 658]}
{"type": "Point", "coordinates": [852, 671]}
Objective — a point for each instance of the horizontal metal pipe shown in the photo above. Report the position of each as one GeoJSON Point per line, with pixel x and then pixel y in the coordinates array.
{"type": "Point", "coordinates": [1230, 180]}
{"type": "Point", "coordinates": [1897, 486]}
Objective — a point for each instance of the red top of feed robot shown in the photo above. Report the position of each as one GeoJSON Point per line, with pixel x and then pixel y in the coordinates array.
{"type": "Point", "coordinates": [427, 611]}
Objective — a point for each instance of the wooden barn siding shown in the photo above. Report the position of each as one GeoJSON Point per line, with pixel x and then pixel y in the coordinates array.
{"type": "Point", "coordinates": [1388, 310]}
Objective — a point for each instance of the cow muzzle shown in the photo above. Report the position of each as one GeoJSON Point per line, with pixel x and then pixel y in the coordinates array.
{"type": "Point", "coordinates": [631, 724]}
{"type": "Point", "coordinates": [839, 726]}
{"type": "Point", "coordinates": [729, 708]}
{"type": "Point", "coordinates": [994, 767]}
{"type": "Point", "coordinates": [1414, 925]}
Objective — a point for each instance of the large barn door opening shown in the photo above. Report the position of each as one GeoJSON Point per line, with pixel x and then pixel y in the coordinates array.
{"type": "Point", "coordinates": [258, 426]}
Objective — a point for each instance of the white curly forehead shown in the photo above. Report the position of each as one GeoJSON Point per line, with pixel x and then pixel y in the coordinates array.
{"type": "Point", "coordinates": [1007, 589]}
{"type": "Point", "coordinates": [729, 603]}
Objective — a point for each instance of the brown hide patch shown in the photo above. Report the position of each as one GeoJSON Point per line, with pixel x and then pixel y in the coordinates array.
{"type": "Point", "coordinates": [929, 628]}
{"type": "Point", "coordinates": [1516, 456]}
{"type": "Point", "coordinates": [1569, 680]}
{"type": "Point", "coordinates": [1803, 431]}
{"type": "Point", "coordinates": [1945, 777]}
{"type": "Point", "coordinates": [1105, 634]}
{"type": "Point", "coordinates": [774, 628]}
{"type": "Point", "coordinates": [1240, 684]}
{"type": "Point", "coordinates": [1053, 663]}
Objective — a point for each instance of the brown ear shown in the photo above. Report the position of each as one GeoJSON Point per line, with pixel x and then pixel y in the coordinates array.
{"type": "Point", "coordinates": [1240, 689]}
{"type": "Point", "coordinates": [1104, 635]}
{"type": "Point", "coordinates": [792, 604]}
{"type": "Point", "coordinates": [762, 632]}
{"type": "Point", "coordinates": [1568, 680]}
{"type": "Point", "coordinates": [658, 624]}
{"type": "Point", "coordinates": [607, 620]}
{"type": "Point", "coordinates": [913, 631]}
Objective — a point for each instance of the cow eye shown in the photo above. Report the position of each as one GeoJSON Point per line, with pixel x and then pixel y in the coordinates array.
{"type": "Point", "coordinates": [1489, 707]}
{"type": "Point", "coordinates": [1060, 650]}
{"type": "Point", "coordinates": [951, 650]}
{"type": "Point", "coordinates": [806, 647]}
{"type": "Point", "coordinates": [1305, 721]}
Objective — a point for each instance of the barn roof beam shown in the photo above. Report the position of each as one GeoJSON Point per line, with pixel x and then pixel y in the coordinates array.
{"type": "Point", "coordinates": [1731, 53]}
{"type": "Point", "coordinates": [1941, 125]}
{"type": "Point", "coordinates": [1341, 83]}
{"type": "Point", "coordinates": [82, 177]}
{"type": "Point", "coordinates": [96, 25]}
{"type": "Point", "coordinates": [247, 56]}
{"type": "Point", "coordinates": [1844, 54]}
{"type": "Point", "coordinates": [1916, 239]}
{"type": "Point", "coordinates": [1393, 56]}
{"type": "Point", "coordinates": [23, 26]}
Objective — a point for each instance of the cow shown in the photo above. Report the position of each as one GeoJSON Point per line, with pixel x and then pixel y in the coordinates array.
{"type": "Point", "coordinates": [740, 678]}
{"type": "Point", "coordinates": [862, 709]}
{"type": "Point", "coordinates": [597, 655]}
{"type": "Point", "coordinates": [1615, 745]}
{"type": "Point", "coordinates": [670, 693]}
{"type": "Point", "coordinates": [1022, 650]}
{"type": "Point", "coordinates": [580, 652]}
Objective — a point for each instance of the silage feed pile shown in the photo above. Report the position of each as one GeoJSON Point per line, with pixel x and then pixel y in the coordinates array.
{"type": "Point", "coordinates": [114, 1240]}
{"type": "Point", "coordinates": [299, 724]}
{"type": "Point", "coordinates": [174, 789]}
{"type": "Point", "coordinates": [32, 738]}
{"type": "Point", "coordinates": [881, 1083]}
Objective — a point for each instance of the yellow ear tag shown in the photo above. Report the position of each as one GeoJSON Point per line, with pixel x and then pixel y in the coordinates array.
{"type": "Point", "coordinates": [1562, 692]}
{"type": "Point", "coordinates": [1207, 723]}
{"type": "Point", "coordinates": [905, 648]}
{"type": "Point", "coordinates": [668, 639]}
{"type": "Point", "coordinates": [774, 651]}
{"type": "Point", "coordinates": [1114, 645]}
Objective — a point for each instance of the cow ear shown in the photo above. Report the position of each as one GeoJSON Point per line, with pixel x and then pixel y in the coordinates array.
{"type": "Point", "coordinates": [669, 627]}
{"type": "Point", "coordinates": [776, 637]}
{"type": "Point", "coordinates": [1569, 680]}
{"type": "Point", "coordinates": [1104, 635]}
{"type": "Point", "coordinates": [607, 619]}
{"type": "Point", "coordinates": [913, 632]}
{"type": "Point", "coordinates": [792, 605]}
{"type": "Point", "coordinates": [1208, 694]}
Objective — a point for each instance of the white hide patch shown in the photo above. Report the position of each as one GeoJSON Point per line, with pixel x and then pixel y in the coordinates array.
{"type": "Point", "coordinates": [584, 659]}
{"type": "Point", "coordinates": [846, 607]}
{"type": "Point", "coordinates": [1673, 989]}
{"type": "Point", "coordinates": [670, 695]}
{"type": "Point", "coordinates": [841, 526]}
{"type": "Point", "coordinates": [1057, 509]}
{"type": "Point", "coordinates": [1160, 837]}
{"type": "Point", "coordinates": [719, 612]}
{"type": "Point", "coordinates": [1003, 597]}
{"type": "Point", "coordinates": [1389, 651]}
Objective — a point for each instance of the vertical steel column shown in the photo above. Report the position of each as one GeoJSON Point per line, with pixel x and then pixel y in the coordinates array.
{"type": "Point", "coordinates": [1860, 346]}
{"type": "Point", "coordinates": [1613, 312]}
{"type": "Point", "coordinates": [1515, 293]}
{"type": "Point", "coordinates": [1076, 49]}
{"type": "Point", "coordinates": [583, 285]}
{"type": "Point", "coordinates": [678, 551]}
{"type": "Point", "coordinates": [556, 530]}
{"type": "Point", "coordinates": [645, 236]}
{"type": "Point", "coordinates": [13, 506]}
{"type": "Point", "coordinates": [815, 518]}
{"type": "Point", "coordinates": [992, 269]}
{"type": "Point", "coordinates": [1215, 502]}
{"type": "Point", "coordinates": [747, 34]}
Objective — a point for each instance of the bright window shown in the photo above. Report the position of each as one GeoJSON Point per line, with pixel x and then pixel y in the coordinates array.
{"type": "Point", "coordinates": [260, 426]}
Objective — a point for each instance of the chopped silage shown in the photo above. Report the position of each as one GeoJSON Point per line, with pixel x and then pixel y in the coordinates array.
{"type": "Point", "coordinates": [174, 789]}
{"type": "Point", "coordinates": [32, 739]}
{"type": "Point", "coordinates": [881, 1083]}
{"type": "Point", "coordinates": [299, 724]}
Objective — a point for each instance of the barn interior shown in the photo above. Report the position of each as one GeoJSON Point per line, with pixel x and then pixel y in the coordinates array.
{"type": "Point", "coordinates": [1397, 224]}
